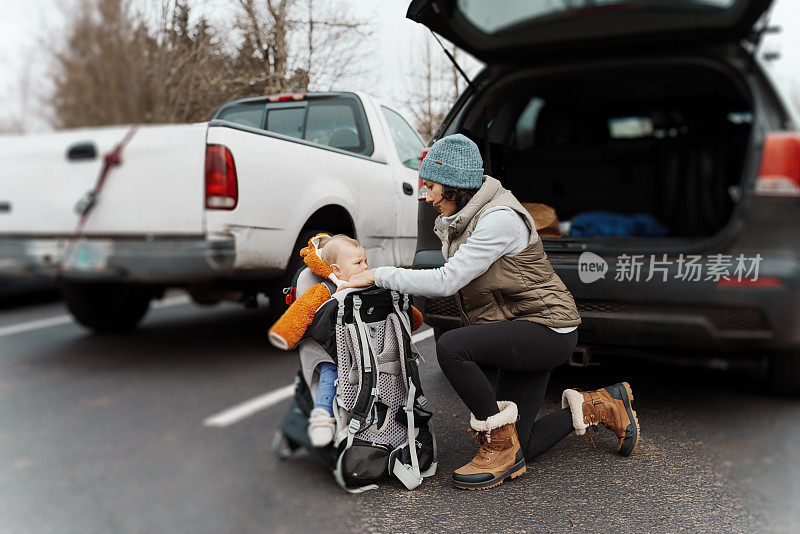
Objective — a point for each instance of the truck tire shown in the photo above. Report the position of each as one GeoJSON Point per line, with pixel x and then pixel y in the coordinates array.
{"type": "Point", "coordinates": [277, 300]}
{"type": "Point", "coordinates": [784, 373]}
{"type": "Point", "coordinates": [106, 308]}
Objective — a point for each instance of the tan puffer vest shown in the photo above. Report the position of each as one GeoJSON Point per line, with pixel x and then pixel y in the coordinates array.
{"type": "Point", "coordinates": [523, 286]}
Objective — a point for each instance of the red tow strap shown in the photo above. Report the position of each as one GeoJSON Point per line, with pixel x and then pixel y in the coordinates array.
{"type": "Point", "coordinates": [86, 204]}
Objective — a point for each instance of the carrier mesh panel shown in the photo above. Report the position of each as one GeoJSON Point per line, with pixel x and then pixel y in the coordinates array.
{"type": "Point", "coordinates": [385, 338]}
{"type": "Point", "coordinates": [346, 345]}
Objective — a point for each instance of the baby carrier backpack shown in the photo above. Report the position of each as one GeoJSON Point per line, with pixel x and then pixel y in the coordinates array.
{"type": "Point", "coordinates": [382, 428]}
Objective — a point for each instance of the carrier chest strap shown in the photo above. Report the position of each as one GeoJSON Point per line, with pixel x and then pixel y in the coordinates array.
{"type": "Point", "coordinates": [340, 314]}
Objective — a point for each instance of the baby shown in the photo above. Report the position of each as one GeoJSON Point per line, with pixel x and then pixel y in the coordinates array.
{"type": "Point", "coordinates": [346, 257]}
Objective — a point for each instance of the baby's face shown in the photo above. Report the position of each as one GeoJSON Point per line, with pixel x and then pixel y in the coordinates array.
{"type": "Point", "coordinates": [352, 260]}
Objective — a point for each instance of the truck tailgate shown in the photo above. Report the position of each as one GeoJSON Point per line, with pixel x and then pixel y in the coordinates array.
{"type": "Point", "coordinates": [157, 190]}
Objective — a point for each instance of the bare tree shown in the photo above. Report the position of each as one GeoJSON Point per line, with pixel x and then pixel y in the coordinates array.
{"type": "Point", "coordinates": [295, 45]}
{"type": "Point", "coordinates": [115, 67]}
{"type": "Point", "coordinates": [440, 86]}
{"type": "Point", "coordinates": [455, 76]}
{"type": "Point", "coordinates": [334, 40]}
{"type": "Point", "coordinates": [11, 126]}
{"type": "Point", "coordinates": [118, 65]}
{"type": "Point", "coordinates": [261, 62]}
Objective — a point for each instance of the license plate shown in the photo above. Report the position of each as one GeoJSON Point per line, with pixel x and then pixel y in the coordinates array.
{"type": "Point", "coordinates": [89, 256]}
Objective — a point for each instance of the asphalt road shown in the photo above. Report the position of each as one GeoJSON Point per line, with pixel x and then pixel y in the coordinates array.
{"type": "Point", "coordinates": [107, 434]}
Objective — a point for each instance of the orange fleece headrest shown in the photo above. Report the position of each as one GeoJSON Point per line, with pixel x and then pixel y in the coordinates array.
{"type": "Point", "coordinates": [310, 255]}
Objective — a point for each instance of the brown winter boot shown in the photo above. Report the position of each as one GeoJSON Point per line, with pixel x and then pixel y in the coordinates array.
{"type": "Point", "coordinates": [499, 456]}
{"type": "Point", "coordinates": [610, 406]}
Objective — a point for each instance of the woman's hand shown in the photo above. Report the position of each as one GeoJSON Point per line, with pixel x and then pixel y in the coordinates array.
{"type": "Point", "coordinates": [362, 279]}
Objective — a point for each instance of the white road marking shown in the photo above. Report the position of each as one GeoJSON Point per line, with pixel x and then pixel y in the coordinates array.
{"type": "Point", "coordinates": [262, 402]}
{"type": "Point", "coordinates": [250, 407]}
{"type": "Point", "coordinates": [34, 325]}
{"type": "Point", "coordinates": [419, 336]}
{"type": "Point", "coordinates": [37, 324]}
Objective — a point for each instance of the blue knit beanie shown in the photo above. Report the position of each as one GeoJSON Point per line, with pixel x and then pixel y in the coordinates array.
{"type": "Point", "coordinates": [455, 161]}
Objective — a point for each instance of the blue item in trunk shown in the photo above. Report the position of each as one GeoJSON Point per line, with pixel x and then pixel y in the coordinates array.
{"type": "Point", "coordinates": [608, 223]}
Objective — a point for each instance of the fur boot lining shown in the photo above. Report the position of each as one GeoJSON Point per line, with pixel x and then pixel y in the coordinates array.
{"type": "Point", "coordinates": [508, 414]}
{"type": "Point", "coordinates": [574, 400]}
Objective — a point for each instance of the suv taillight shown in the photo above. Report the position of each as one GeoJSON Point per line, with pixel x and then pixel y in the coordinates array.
{"type": "Point", "coordinates": [222, 192]}
{"type": "Point", "coordinates": [779, 175]}
{"type": "Point", "coordinates": [422, 191]}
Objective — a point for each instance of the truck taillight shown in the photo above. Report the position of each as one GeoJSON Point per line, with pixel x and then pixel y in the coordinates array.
{"type": "Point", "coordinates": [422, 191]}
{"type": "Point", "coordinates": [222, 192]}
{"type": "Point", "coordinates": [779, 175]}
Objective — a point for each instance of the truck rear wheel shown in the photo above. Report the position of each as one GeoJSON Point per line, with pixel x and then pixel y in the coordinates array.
{"type": "Point", "coordinates": [107, 307]}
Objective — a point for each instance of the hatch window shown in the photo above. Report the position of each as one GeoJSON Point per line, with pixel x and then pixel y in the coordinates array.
{"type": "Point", "coordinates": [498, 15]}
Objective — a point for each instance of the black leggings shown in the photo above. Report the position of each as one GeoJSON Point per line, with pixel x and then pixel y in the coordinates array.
{"type": "Point", "coordinates": [524, 353]}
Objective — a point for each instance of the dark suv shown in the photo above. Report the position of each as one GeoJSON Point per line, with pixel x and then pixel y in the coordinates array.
{"type": "Point", "coordinates": [656, 108]}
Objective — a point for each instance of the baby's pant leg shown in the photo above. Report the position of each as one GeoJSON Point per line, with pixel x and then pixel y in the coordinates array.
{"type": "Point", "coordinates": [326, 390]}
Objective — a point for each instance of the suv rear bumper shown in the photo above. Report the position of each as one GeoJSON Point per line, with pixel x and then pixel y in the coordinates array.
{"type": "Point", "coordinates": [674, 314]}
{"type": "Point", "coordinates": [161, 260]}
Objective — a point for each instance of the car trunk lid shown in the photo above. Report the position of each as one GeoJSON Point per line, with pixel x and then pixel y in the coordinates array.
{"type": "Point", "coordinates": [507, 30]}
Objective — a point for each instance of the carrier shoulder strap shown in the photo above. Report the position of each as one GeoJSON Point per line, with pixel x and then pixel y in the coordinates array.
{"type": "Point", "coordinates": [368, 384]}
{"type": "Point", "coordinates": [404, 320]}
{"type": "Point", "coordinates": [410, 360]}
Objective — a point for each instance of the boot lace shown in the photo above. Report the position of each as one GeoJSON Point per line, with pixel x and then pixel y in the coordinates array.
{"type": "Point", "coordinates": [483, 440]}
{"type": "Point", "coordinates": [486, 445]}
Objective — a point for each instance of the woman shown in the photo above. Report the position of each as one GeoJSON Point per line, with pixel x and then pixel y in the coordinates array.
{"type": "Point", "coordinates": [519, 317]}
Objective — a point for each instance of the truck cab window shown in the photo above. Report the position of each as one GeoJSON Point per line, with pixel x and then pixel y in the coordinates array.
{"type": "Point", "coordinates": [286, 121]}
{"type": "Point", "coordinates": [248, 115]}
{"type": "Point", "coordinates": [408, 144]}
{"type": "Point", "coordinates": [334, 124]}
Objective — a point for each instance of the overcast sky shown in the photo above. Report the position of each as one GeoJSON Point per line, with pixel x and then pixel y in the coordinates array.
{"type": "Point", "coordinates": [26, 24]}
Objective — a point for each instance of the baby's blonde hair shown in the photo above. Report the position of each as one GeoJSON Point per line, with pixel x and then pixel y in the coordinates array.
{"type": "Point", "coordinates": [331, 248]}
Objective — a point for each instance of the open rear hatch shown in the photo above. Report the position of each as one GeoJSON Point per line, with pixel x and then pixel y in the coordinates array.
{"type": "Point", "coordinates": [575, 120]}
{"type": "Point", "coordinates": [508, 30]}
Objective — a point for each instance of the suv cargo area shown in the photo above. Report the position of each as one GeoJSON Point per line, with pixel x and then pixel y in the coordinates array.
{"type": "Point", "coordinates": [665, 140]}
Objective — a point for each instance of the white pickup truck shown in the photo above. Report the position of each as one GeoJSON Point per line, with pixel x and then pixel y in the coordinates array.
{"type": "Point", "coordinates": [218, 208]}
